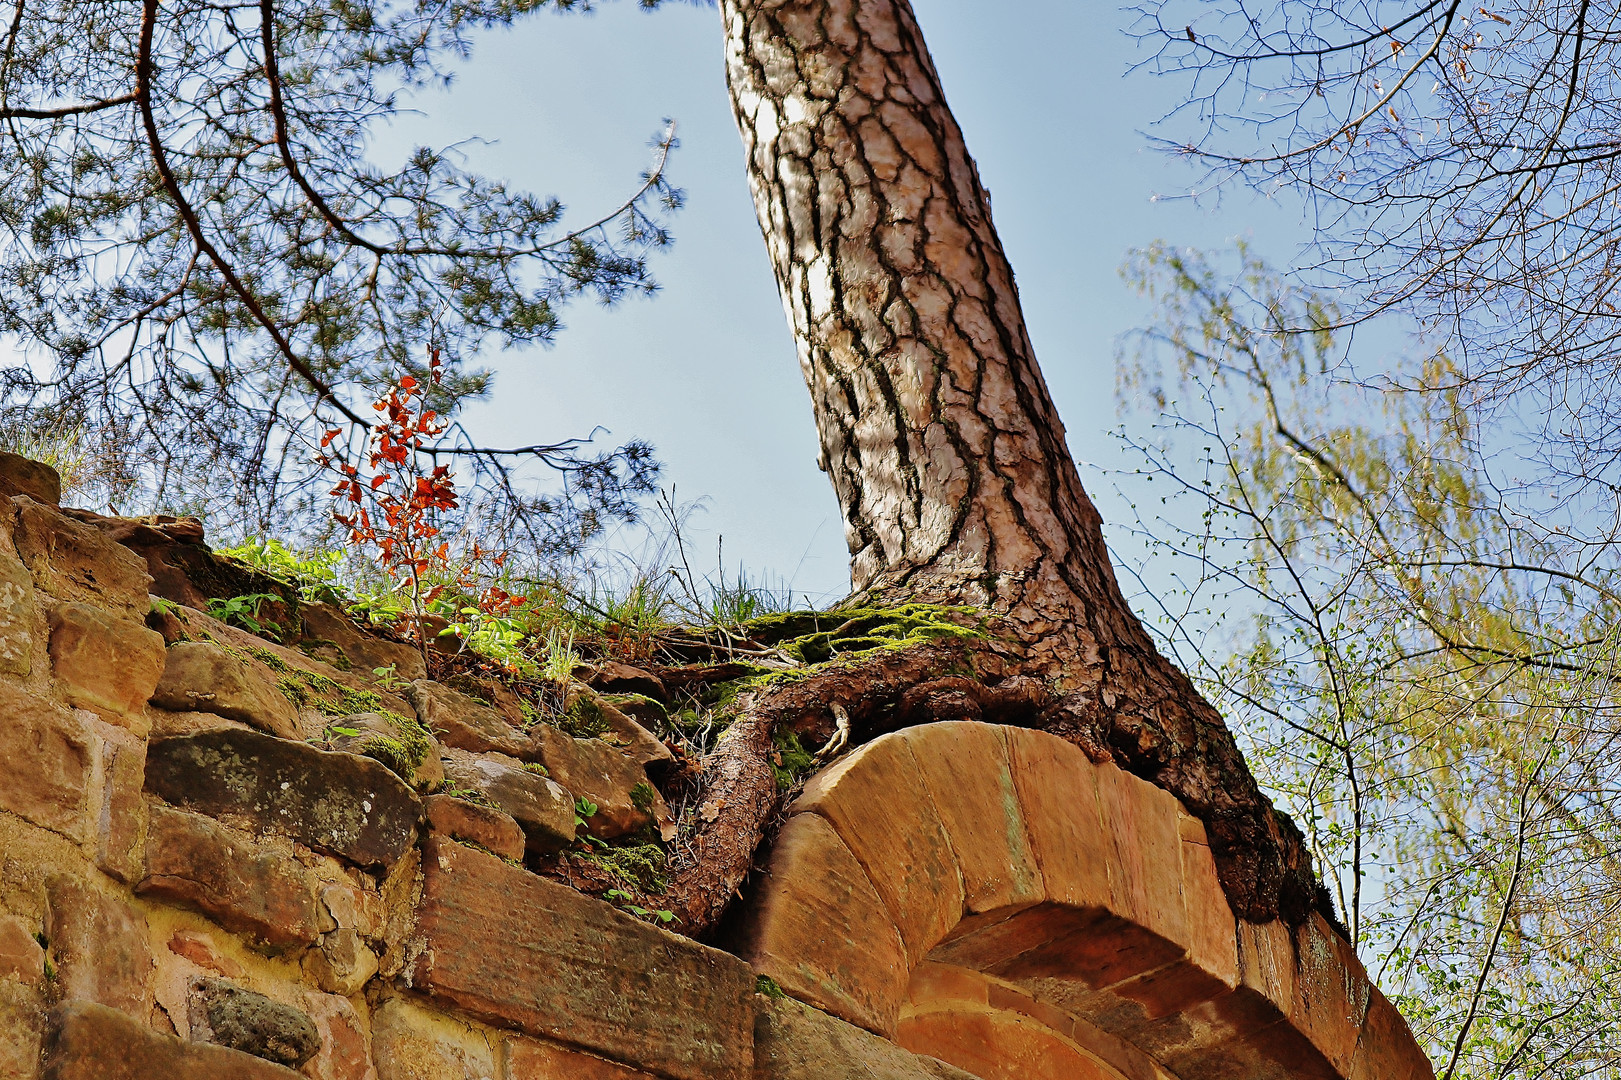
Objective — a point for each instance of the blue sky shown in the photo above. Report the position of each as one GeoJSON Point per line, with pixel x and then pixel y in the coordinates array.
{"type": "Point", "coordinates": [706, 370]}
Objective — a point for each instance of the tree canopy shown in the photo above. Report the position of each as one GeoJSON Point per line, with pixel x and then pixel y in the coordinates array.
{"type": "Point", "coordinates": [205, 265]}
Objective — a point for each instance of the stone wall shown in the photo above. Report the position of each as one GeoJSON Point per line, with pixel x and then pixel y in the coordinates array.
{"type": "Point", "coordinates": [199, 879]}
{"type": "Point", "coordinates": [223, 857]}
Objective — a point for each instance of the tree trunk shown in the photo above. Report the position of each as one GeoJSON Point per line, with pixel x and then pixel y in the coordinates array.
{"type": "Point", "coordinates": [936, 426]}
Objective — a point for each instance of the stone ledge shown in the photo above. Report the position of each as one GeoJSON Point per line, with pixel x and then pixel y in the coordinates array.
{"type": "Point", "coordinates": [506, 946]}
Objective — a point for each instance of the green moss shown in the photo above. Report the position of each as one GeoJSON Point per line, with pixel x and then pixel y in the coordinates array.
{"type": "Point", "coordinates": [584, 718]}
{"type": "Point", "coordinates": [641, 865]}
{"type": "Point", "coordinates": [765, 984]}
{"type": "Point", "coordinates": [403, 754]}
{"type": "Point", "coordinates": [642, 796]}
{"type": "Point", "coordinates": [294, 691]}
{"type": "Point", "coordinates": [536, 768]}
{"type": "Point", "coordinates": [790, 761]}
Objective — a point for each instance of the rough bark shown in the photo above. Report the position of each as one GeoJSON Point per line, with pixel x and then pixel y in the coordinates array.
{"type": "Point", "coordinates": [937, 429]}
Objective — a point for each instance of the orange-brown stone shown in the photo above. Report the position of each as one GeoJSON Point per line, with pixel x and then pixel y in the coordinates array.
{"type": "Point", "coordinates": [876, 801]}
{"type": "Point", "coordinates": [255, 889]}
{"type": "Point", "coordinates": [965, 767]}
{"type": "Point", "coordinates": [93, 1042]}
{"type": "Point", "coordinates": [504, 945]}
{"type": "Point", "coordinates": [1058, 787]}
{"type": "Point", "coordinates": [102, 663]}
{"type": "Point", "coordinates": [489, 828]}
{"type": "Point", "coordinates": [99, 945]}
{"type": "Point", "coordinates": [819, 928]}
{"type": "Point", "coordinates": [45, 762]}
{"type": "Point", "coordinates": [530, 1060]}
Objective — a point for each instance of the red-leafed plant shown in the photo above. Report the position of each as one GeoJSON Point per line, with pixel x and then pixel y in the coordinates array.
{"type": "Point", "coordinates": [398, 507]}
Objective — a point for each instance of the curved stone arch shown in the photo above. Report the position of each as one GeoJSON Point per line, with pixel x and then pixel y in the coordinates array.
{"type": "Point", "coordinates": [990, 896]}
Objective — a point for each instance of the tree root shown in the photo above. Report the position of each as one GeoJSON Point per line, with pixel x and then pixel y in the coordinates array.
{"type": "Point", "coordinates": [1165, 733]}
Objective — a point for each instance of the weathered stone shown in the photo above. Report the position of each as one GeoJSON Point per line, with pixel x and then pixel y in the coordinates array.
{"type": "Point", "coordinates": [121, 815]}
{"type": "Point", "coordinates": [402, 744]}
{"type": "Point", "coordinates": [593, 770]}
{"type": "Point", "coordinates": [343, 1054]}
{"type": "Point", "coordinates": [25, 476]}
{"type": "Point", "coordinates": [243, 885]}
{"type": "Point", "coordinates": [18, 616]}
{"type": "Point", "coordinates": [997, 1044]}
{"type": "Point", "coordinates": [627, 718]}
{"type": "Point", "coordinates": [612, 677]}
{"type": "Point", "coordinates": [93, 1042]}
{"type": "Point", "coordinates": [980, 810]}
{"type": "Point", "coordinates": [818, 927]}
{"type": "Point", "coordinates": [1212, 929]}
{"type": "Point", "coordinates": [201, 676]}
{"type": "Point", "coordinates": [22, 1027]}
{"type": "Point", "coordinates": [46, 757]}
{"type": "Point", "coordinates": [1058, 788]}
{"type": "Point", "coordinates": [513, 948]}
{"type": "Point", "coordinates": [21, 957]}
{"type": "Point", "coordinates": [77, 562]}
{"type": "Point", "coordinates": [108, 665]}
{"type": "Point", "coordinates": [343, 804]}
{"type": "Point", "coordinates": [876, 801]}
{"type": "Point", "coordinates": [343, 964]}
{"type": "Point", "coordinates": [527, 1059]}
{"type": "Point", "coordinates": [410, 1042]}
{"type": "Point", "coordinates": [542, 808]}
{"type": "Point", "coordinates": [466, 723]}
{"type": "Point", "coordinates": [324, 623]}
{"type": "Point", "coordinates": [1386, 1049]}
{"type": "Point", "coordinates": [797, 1042]}
{"type": "Point", "coordinates": [99, 946]}
{"type": "Point", "coordinates": [228, 1015]}
{"type": "Point", "coordinates": [201, 950]}
{"type": "Point", "coordinates": [1331, 992]}
{"type": "Point", "coordinates": [489, 828]}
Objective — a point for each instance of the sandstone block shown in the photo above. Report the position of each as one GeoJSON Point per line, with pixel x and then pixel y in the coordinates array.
{"type": "Point", "coordinates": [325, 623]}
{"type": "Point", "coordinates": [77, 562]}
{"type": "Point", "coordinates": [542, 808]}
{"type": "Point", "coordinates": [1058, 788]}
{"type": "Point", "coordinates": [1386, 1049]}
{"type": "Point", "coordinates": [17, 617]}
{"type": "Point", "coordinates": [507, 946]}
{"type": "Point", "coordinates": [201, 950]}
{"type": "Point", "coordinates": [489, 828]}
{"type": "Point", "coordinates": [1212, 929]}
{"type": "Point", "coordinates": [102, 663]}
{"type": "Point", "coordinates": [228, 1015]}
{"type": "Point", "coordinates": [344, 1053]}
{"type": "Point", "coordinates": [1000, 1046]}
{"type": "Point", "coordinates": [966, 768]}
{"type": "Point", "coordinates": [819, 928]}
{"type": "Point", "coordinates": [612, 677]}
{"type": "Point", "coordinates": [21, 957]}
{"type": "Point", "coordinates": [876, 800]}
{"type": "Point", "coordinates": [100, 948]}
{"type": "Point", "coordinates": [615, 783]}
{"type": "Point", "coordinates": [410, 1042]}
{"type": "Point", "coordinates": [119, 820]}
{"type": "Point", "coordinates": [93, 1042]}
{"type": "Point", "coordinates": [402, 744]}
{"type": "Point", "coordinates": [46, 758]}
{"type": "Point", "coordinates": [1140, 821]}
{"type": "Point", "coordinates": [25, 476]}
{"type": "Point", "coordinates": [343, 804]}
{"type": "Point", "coordinates": [527, 1059]}
{"type": "Point", "coordinates": [637, 742]}
{"type": "Point", "coordinates": [200, 676]}
{"type": "Point", "coordinates": [797, 1042]}
{"type": "Point", "coordinates": [1331, 992]}
{"type": "Point", "coordinates": [467, 723]}
{"type": "Point", "coordinates": [243, 885]}
{"type": "Point", "coordinates": [343, 964]}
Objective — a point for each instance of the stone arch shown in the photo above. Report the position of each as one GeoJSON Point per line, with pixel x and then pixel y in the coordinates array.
{"type": "Point", "coordinates": [991, 897]}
